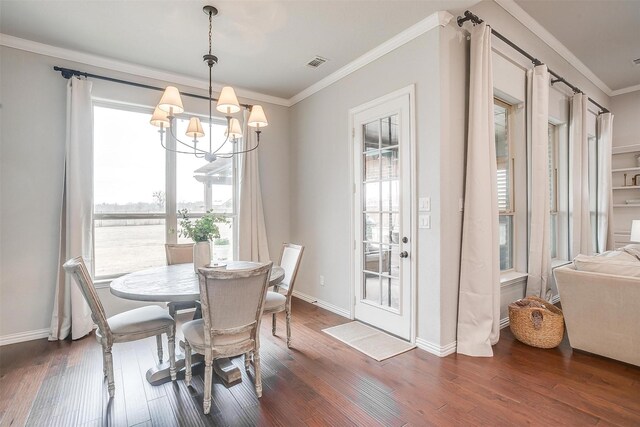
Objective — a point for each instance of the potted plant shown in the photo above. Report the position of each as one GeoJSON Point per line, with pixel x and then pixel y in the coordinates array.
{"type": "Point", "coordinates": [201, 230]}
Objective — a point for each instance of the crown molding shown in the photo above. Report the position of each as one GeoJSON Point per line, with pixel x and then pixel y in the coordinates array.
{"type": "Point", "coordinates": [527, 20]}
{"type": "Point", "coordinates": [432, 21]}
{"type": "Point", "coordinates": [625, 90]}
{"type": "Point", "coordinates": [127, 67]}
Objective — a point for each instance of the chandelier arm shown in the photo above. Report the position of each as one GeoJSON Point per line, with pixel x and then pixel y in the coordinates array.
{"type": "Point", "coordinates": [172, 150]}
{"type": "Point", "coordinates": [222, 145]}
{"type": "Point", "coordinates": [184, 143]}
{"type": "Point", "coordinates": [229, 155]}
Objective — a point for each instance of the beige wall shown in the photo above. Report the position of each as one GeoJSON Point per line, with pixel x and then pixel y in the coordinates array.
{"type": "Point", "coordinates": [32, 154]}
{"type": "Point", "coordinates": [321, 182]}
{"type": "Point", "coordinates": [626, 121]}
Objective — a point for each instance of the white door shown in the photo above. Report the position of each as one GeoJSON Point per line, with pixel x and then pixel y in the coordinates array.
{"type": "Point", "coordinates": [382, 214]}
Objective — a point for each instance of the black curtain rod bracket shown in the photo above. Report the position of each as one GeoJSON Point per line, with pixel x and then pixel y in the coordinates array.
{"type": "Point", "coordinates": [67, 73]}
{"type": "Point", "coordinates": [468, 16]}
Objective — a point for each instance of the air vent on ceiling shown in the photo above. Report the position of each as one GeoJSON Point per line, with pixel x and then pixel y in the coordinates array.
{"type": "Point", "coordinates": [636, 61]}
{"type": "Point", "coordinates": [316, 61]}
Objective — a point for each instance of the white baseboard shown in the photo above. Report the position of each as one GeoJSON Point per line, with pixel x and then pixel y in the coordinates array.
{"type": "Point", "coordinates": [323, 304]}
{"type": "Point", "coordinates": [504, 322]}
{"type": "Point", "coordinates": [23, 336]}
{"type": "Point", "coordinates": [440, 351]}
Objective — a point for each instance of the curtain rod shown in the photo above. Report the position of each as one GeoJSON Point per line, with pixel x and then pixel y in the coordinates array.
{"type": "Point", "coordinates": [468, 16]}
{"type": "Point", "coordinates": [67, 73]}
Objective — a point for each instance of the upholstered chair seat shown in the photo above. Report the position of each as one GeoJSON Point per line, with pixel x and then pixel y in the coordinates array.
{"type": "Point", "coordinates": [144, 321]}
{"type": "Point", "coordinates": [131, 325]}
{"type": "Point", "coordinates": [277, 302]}
{"type": "Point", "coordinates": [232, 306]}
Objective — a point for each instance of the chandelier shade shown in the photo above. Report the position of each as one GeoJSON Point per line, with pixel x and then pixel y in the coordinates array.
{"type": "Point", "coordinates": [194, 130]}
{"type": "Point", "coordinates": [234, 131]}
{"type": "Point", "coordinates": [228, 101]}
{"type": "Point", "coordinates": [171, 102]}
{"type": "Point", "coordinates": [257, 118]}
{"type": "Point", "coordinates": [159, 118]}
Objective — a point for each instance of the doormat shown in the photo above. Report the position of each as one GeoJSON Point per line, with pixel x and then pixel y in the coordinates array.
{"type": "Point", "coordinates": [368, 340]}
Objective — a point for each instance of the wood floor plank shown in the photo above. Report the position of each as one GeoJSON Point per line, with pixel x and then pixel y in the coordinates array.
{"type": "Point", "coordinates": [320, 382]}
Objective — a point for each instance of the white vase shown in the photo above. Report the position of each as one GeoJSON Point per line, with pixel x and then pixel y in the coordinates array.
{"type": "Point", "coordinates": [201, 255]}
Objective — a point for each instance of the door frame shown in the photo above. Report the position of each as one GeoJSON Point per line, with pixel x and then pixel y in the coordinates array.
{"type": "Point", "coordinates": [413, 205]}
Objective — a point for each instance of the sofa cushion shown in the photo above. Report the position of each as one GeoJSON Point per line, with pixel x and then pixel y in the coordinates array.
{"type": "Point", "coordinates": [633, 249]}
{"type": "Point", "coordinates": [620, 263]}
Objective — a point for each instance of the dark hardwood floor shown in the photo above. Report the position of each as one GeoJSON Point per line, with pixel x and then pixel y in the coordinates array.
{"type": "Point", "coordinates": [321, 382]}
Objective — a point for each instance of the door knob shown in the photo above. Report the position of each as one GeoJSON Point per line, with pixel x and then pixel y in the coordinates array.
{"type": "Point", "coordinates": [404, 254]}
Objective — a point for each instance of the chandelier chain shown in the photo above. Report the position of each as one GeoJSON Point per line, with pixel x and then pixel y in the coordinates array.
{"type": "Point", "coordinates": [210, 36]}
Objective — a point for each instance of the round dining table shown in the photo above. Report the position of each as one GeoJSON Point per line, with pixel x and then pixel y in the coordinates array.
{"type": "Point", "coordinates": [179, 283]}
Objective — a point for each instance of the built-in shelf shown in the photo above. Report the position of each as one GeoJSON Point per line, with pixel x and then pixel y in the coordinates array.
{"type": "Point", "coordinates": [625, 149]}
{"type": "Point", "coordinates": [624, 205]}
{"type": "Point", "coordinates": [626, 169]}
{"type": "Point", "coordinates": [627, 187]}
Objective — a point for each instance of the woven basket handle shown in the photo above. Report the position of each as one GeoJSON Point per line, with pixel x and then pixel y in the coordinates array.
{"type": "Point", "coordinates": [537, 323]}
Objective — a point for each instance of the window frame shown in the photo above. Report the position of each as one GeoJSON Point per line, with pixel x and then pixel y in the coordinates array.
{"type": "Point", "coordinates": [554, 187]}
{"type": "Point", "coordinates": [511, 211]}
{"type": "Point", "coordinates": [170, 214]}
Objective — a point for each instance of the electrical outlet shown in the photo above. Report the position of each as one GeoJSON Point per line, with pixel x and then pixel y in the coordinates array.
{"type": "Point", "coordinates": [321, 280]}
{"type": "Point", "coordinates": [424, 204]}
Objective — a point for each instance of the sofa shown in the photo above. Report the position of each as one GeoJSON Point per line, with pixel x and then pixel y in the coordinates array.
{"type": "Point", "coordinates": [602, 308]}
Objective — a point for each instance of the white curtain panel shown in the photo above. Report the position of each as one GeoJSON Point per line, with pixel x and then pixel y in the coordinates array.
{"type": "Point", "coordinates": [252, 245]}
{"type": "Point", "coordinates": [539, 269]}
{"type": "Point", "coordinates": [580, 222]}
{"type": "Point", "coordinates": [71, 314]}
{"type": "Point", "coordinates": [479, 299]}
{"type": "Point", "coordinates": [605, 197]}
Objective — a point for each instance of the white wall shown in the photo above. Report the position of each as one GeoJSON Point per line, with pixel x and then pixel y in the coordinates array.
{"type": "Point", "coordinates": [32, 155]}
{"type": "Point", "coordinates": [321, 185]}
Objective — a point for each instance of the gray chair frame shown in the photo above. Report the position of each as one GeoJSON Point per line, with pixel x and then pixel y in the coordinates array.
{"type": "Point", "coordinates": [290, 276]}
{"type": "Point", "coordinates": [105, 336]}
{"type": "Point", "coordinates": [210, 280]}
{"type": "Point", "coordinates": [175, 253]}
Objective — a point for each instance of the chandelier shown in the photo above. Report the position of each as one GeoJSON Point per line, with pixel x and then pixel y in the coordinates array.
{"type": "Point", "coordinates": [171, 104]}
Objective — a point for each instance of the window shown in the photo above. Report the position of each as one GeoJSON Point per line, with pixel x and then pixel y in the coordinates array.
{"type": "Point", "coordinates": [137, 183]}
{"type": "Point", "coordinates": [504, 159]}
{"type": "Point", "coordinates": [553, 189]}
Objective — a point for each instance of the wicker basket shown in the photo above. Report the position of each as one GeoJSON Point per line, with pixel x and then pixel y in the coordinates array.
{"type": "Point", "coordinates": [537, 327]}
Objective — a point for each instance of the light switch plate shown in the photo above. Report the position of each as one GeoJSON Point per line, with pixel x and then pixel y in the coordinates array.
{"type": "Point", "coordinates": [424, 204]}
{"type": "Point", "coordinates": [424, 221]}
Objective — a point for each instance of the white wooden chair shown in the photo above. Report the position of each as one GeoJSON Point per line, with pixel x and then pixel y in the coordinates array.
{"type": "Point", "coordinates": [131, 325]}
{"type": "Point", "coordinates": [277, 302]}
{"type": "Point", "coordinates": [232, 305]}
{"type": "Point", "coordinates": [181, 253]}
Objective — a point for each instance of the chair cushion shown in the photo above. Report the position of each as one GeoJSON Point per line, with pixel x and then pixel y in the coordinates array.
{"type": "Point", "coordinates": [619, 263]}
{"type": "Point", "coordinates": [144, 319]}
{"type": "Point", "coordinates": [274, 300]}
{"type": "Point", "coordinates": [194, 333]}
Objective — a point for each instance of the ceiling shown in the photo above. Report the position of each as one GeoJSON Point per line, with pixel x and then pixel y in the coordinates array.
{"type": "Point", "coordinates": [263, 45]}
{"type": "Point", "coordinates": [603, 35]}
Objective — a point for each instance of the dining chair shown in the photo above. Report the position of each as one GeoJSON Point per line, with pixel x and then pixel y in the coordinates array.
{"type": "Point", "coordinates": [131, 325]}
{"type": "Point", "coordinates": [181, 253]}
{"type": "Point", "coordinates": [276, 302]}
{"type": "Point", "coordinates": [232, 305]}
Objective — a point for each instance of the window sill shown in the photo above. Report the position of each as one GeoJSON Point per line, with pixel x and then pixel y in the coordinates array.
{"type": "Point", "coordinates": [555, 263]}
{"type": "Point", "coordinates": [511, 277]}
{"type": "Point", "coordinates": [102, 283]}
